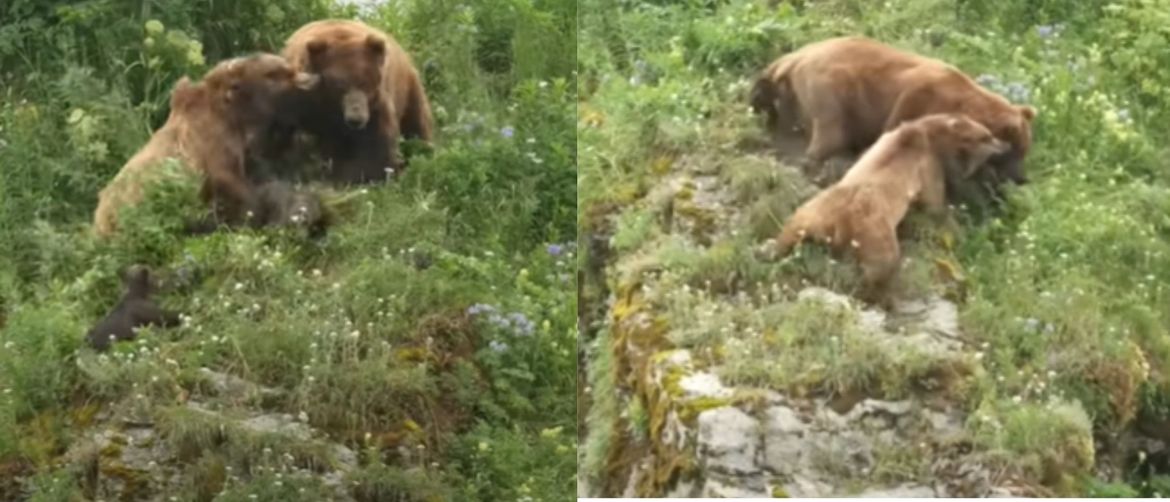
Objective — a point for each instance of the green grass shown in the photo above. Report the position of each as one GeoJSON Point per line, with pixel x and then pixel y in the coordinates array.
{"type": "Point", "coordinates": [369, 335]}
{"type": "Point", "coordinates": [1062, 293]}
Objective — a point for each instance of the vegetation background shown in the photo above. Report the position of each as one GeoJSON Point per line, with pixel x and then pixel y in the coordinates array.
{"type": "Point", "coordinates": [1063, 296]}
{"type": "Point", "coordinates": [432, 332]}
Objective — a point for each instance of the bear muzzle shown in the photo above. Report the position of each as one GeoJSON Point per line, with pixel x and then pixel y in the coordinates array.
{"type": "Point", "coordinates": [355, 105]}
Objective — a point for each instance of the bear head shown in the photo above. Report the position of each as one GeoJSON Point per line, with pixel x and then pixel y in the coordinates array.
{"type": "Point", "coordinates": [961, 143]}
{"type": "Point", "coordinates": [252, 89]}
{"type": "Point", "coordinates": [351, 69]}
{"type": "Point", "coordinates": [1015, 127]}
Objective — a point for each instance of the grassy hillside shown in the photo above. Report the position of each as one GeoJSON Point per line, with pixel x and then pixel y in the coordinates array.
{"type": "Point", "coordinates": [430, 334]}
{"type": "Point", "coordinates": [1062, 295]}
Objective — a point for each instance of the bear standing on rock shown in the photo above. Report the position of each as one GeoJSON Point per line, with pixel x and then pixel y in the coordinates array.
{"type": "Point", "coordinates": [371, 95]}
{"type": "Point", "coordinates": [211, 126]}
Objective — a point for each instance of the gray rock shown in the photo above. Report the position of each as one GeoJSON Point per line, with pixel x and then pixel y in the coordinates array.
{"type": "Point", "coordinates": [729, 441]}
{"type": "Point", "coordinates": [784, 445]}
{"type": "Point", "coordinates": [751, 487]}
{"type": "Point", "coordinates": [908, 491]}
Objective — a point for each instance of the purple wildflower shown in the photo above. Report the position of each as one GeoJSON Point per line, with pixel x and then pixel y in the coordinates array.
{"type": "Point", "coordinates": [523, 325]}
{"type": "Point", "coordinates": [1045, 31]}
{"type": "Point", "coordinates": [498, 346]}
{"type": "Point", "coordinates": [555, 249]}
{"type": "Point", "coordinates": [507, 132]}
{"type": "Point", "coordinates": [480, 308]}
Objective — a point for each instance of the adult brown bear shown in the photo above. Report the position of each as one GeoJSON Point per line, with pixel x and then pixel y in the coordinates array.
{"type": "Point", "coordinates": [861, 212]}
{"type": "Point", "coordinates": [845, 92]}
{"type": "Point", "coordinates": [371, 95]}
{"type": "Point", "coordinates": [209, 130]}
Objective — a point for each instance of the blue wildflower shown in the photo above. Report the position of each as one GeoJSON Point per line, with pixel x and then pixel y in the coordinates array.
{"type": "Point", "coordinates": [523, 325]}
{"type": "Point", "coordinates": [507, 132]}
{"type": "Point", "coordinates": [498, 346]}
{"type": "Point", "coordinates": [480, 308]}
{"type": "Point", "coordinates": [555, 249]}
{"type": "Point", "coordinates": [498, 320]}
{"type": "Point", "coordinates": [987, 80]}
{"type": "Point", "coordinates": [1045, 31]}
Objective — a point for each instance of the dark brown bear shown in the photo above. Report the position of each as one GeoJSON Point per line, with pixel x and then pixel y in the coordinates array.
{"type": "Point", "coordinates": [135, 310]}
{"type": "Point", "coordinates": [371, 95]}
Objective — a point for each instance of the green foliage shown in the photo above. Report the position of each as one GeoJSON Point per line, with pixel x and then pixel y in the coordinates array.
{"type": "Point", "coordinates": [364, 335]}
{"type": "Point", "coordinates": [1061, 293]}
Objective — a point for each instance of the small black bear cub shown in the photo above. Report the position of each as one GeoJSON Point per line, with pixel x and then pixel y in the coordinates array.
{"type": "Point", "coordinates": [280, 204]}
{"type": "Point", "coordinates": [135, 310]}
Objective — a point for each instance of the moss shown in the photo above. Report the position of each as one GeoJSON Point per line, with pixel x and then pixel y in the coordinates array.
{"type": "Point", "coordinates": [778, 492]}
{"type": "Point", "coordinates": [83, 415]}
{"type": "Point", "coordinates": [704, 221]}
{"type": "Point", "coordinates": [135, 483]}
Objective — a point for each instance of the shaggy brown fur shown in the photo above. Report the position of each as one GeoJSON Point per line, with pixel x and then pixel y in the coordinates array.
{"type": "Point", "coordinates": [845, 92]}
{"type": "Point", "coordinates": [908, 165]}
{"type": "Point", "coordinates": [371, 95]}
{"type": "Point", "coordinates": [210, 126]}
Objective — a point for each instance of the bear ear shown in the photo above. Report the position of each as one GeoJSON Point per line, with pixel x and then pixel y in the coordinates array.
{"type": "Point", "coordinates": [376, 45]}
{"type": "Point", "coordinates": [183, 94]}
{"type": "Point", "coordinates": [316, 49]}
{"type": "Point", "coordinates": [137, 278]}
{"type": "Point", "coordinates": [1027, 112]}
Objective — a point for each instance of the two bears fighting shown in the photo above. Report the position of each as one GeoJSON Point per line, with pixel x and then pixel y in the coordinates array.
{"type": "Point", "coordinates": [348, 87]}
{"type": "Point", "coordinates": [921, 125]}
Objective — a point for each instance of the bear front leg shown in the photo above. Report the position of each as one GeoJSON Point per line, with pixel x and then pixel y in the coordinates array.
{"type": "Point", "coordinates": [879, 257]}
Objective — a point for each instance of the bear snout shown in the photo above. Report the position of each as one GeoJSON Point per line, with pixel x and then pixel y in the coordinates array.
{"type": "Point", "coordinates": [356, 106]}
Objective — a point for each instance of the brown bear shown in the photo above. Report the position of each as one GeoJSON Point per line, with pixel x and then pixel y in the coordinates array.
{"type": "Point", "coordinates": [371, 95]}
{"type": "Point", "coordinates": [909, 165]}
{"type": "Point", "coordinates": [210, 126]}
{"type": "Point", "coordinates": [135, 310]}
{"type": "Point", "coordinates": [845, 92]}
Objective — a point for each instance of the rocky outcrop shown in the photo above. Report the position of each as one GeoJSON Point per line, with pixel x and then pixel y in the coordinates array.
{"type": "Point", "coordinates": [689, 309]}
{"type": "Point", "coordinates": [127, 457]}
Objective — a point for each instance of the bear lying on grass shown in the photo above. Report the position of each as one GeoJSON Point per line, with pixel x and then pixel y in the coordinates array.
{"type": "Point", "coordinates": [371, 95]}
{"type": "Point", "coordinates": [135, 310]}
{"type": "Point", "coordinates": [209, 130]}
{"type": "Point", "coordinates": [861, 212]}
{"type": "Point", "coordinates": [845, 92]}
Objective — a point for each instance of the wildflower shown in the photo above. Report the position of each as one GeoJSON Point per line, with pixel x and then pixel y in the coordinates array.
{"type": "Point", "coordinates": [555, 249]}
{"type": "Point", "coordinates": [507, 132]}
{"type": "Point", "coordinates": [498, 346]}
{"type": "Point", "coordinates": [480, 308]}
{"type": "Point", "coordinates": [483, 446]}
{"type": "Point", "coordinates": [1123, 116]}
{"type": "Point", "coordinates": [1045, 31]}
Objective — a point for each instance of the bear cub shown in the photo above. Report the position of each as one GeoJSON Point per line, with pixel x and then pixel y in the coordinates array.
{"type": "Point", "coordinates": [135, 310]}
{"type": "Point", "coordinates": [279, 203]}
